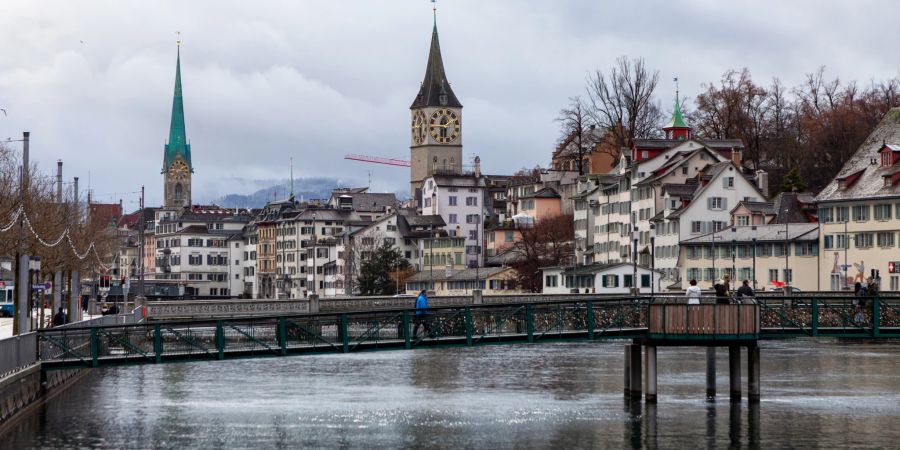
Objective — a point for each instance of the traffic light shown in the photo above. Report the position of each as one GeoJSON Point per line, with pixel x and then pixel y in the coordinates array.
{"type": "Point", "coordinates": [104, 282]}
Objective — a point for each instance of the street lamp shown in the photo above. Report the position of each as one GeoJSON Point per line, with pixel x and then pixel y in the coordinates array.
{"type": "Point", "coordinates": [787, 251]}
{"type": "Point", "coordinates": [754, 256]}
{"type": "Point", "coordinates": [652, 257]}
{"type": "Point", "coordinates": [734, 254]}
{"type": "Point", "coordinates": [635, 234]}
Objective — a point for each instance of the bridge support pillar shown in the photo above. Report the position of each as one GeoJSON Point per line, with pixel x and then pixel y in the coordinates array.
{"type": "Point", "coordinates": [313, 303]}
{"type": "Point", "coordinates": [753, 373]}
{"type": "Point", "coordinates": [734, 371]}
{"type": "Point", "coordinates": [650, 374]}
{"type": "Point", "coordinates": [710, 372]}
{"type": "Point", "coordinates": [477, 297]}
{"type": "Point", "coordinates": [627, 370]}
{"type": "Point", "coordinates": [635, 383]}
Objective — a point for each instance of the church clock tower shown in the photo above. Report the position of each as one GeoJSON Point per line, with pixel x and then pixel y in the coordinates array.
{"type": "Point", "coordinates": [436, 124]}
{"type": "Point", "coordinates": [177, 168]}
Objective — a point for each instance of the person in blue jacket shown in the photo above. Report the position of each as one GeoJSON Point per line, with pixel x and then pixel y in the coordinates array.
{"type": "Point", "coordinates": [422, 314]}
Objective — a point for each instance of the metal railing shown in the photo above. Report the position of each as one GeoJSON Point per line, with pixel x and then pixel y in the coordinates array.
{"type": "Point", "coordinates": [466, 325]}
{"type": "Point", "coordinates": [17, 352]}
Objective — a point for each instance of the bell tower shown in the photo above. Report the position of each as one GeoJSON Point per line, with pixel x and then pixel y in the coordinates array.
{"type": "Point", "coordinates": [436, 124]}
{"type": "Point", "coordinates": [676, 129]}
{"type": "Point", "coordinates": [177, 168]}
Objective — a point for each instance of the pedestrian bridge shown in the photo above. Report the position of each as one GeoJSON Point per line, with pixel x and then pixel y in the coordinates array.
{"type": "Point", "coordinates": [652, 321]}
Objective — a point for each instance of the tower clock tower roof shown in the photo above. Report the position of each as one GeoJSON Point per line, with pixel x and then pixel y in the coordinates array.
{"type": "Point", "coordinates": [435, 89]}
{"type": "Point", "coordinates": [177, 145]}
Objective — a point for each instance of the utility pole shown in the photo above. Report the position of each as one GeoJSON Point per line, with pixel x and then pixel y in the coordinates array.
{"type": "Point", "coordinates": [22, 282]}
{"type": "Point", "coordinates": [143, 226]}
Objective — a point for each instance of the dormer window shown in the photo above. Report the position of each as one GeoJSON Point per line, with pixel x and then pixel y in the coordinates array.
{"type": "Point", "coordinates": [886, 159]}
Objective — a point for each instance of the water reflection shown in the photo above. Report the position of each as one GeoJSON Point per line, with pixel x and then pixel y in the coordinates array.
{"type": "Point", "coordinates": [566, 395]}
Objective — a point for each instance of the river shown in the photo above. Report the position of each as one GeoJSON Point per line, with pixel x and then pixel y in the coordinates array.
{"type": "Point", "coordinates": [815, 393]}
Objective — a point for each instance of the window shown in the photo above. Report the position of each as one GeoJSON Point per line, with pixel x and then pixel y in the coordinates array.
{"type": "Point", "coordinates": [742, 221]}
{"type": "Point", "coordinates": [684, 170]}
{"type": "Point", "coordinates": [627, 281]}
{"type": "Point", "coordinates": [696, 227]}
{"type": "Point", "coordinates": [841, 214]}
{"type": "Point", "coordinates": [828, 241]}
{"type": "Point", "coordinates": [788, 275]}
{"type": "Point", "coordinates": [451, 218]}
{"type": "Point", "coordinates": [195, 260]}
{"type": "Point", "coordinates": [427, 202]}
{"type": "Point", "coordinates": [471, 201]}
{"type": "Point", "coordinates": [886, 239]}
{"type": "Point", "coordinates": [473, 235]}
{"type": "Point", "coordinates": [806, 249]}
{"type": "Point", "coordinates": [842, 241]}
{"type": "Point", "coordinates": [883, 212]}
{"type": "Point", "coordinates": [826, 215]}
{"type": "Point", "coordinates": [610, 280]}
{"type": "Point", "coordinates": [508, 236]}
{"type": "Point", "coordinates": [861, 213]}
{"type": "Point", "coordinates": [728, 182]}
{"type": "Point", "coordinates": [645, 280]}
{"type": "Point", "coordinates": [472, 218]}
{"type": "Point", "coordinates": [451, 200]}
{"type": "Point", "coordinates": [895, 283]}
{"type": "Point", "coordinates": [863, 240]}
{"type": "Point", "coordinates": [773, 274]}
{"type": "Point", "coordinates": [716, 203]}
{"type": "Point", "coordinates": [550, 281]}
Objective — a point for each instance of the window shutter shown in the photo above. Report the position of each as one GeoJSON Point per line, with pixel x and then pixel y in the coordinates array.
{"type": "Point", "coordinates": [725, 182]}
{"type": "Point", "coordinates": [709, 203]}
{"type": "Point", "coordinates": [724, 203]}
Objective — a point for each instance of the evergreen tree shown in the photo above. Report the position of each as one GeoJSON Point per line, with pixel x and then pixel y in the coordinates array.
{"type": "Point", "coordinates": [791, 182]}
{"type": "Point", "coordinates": [378, 272]}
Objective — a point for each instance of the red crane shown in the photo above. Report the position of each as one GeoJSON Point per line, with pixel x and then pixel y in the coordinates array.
{"type": "Point", "coordinates": [377, 160]}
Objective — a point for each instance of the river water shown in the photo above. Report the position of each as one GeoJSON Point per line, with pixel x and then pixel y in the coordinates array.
{"type": "Point", "coordinates": [814, 394]}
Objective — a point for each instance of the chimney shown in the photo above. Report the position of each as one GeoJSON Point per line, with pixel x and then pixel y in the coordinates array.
{"type": "Point", "coordinates": [737, 157]}
{"type": "Point", "coordinates": [58, 181]}
{"type": "Point", "coordinates": [762, 182]}
{"type": "Point", "coordinates": [477, 167]}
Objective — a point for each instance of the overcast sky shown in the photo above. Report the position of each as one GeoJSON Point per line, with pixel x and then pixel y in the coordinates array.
{"type": "Point", "coordinates": [265, 81]}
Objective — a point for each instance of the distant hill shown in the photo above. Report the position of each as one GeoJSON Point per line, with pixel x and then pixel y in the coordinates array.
{"type": "Point", "coordinates": [304, 188]}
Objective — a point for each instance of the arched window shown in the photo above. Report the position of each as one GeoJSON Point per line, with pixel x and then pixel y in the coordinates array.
{"type": "Point", "coordinates": [178, 191]}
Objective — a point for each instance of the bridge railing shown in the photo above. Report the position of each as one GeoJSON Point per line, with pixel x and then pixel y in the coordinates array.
{"type": "Point", "coordinates": [833, 315]}
{"type": "Point", "coordinates": [704, 321]}
{"type": "Point", "coordinates": [342, 332]}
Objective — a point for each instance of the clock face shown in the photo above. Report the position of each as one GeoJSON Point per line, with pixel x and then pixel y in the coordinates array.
{"type": "Point", "coordinates": [444, 125]}
{"type": "Point", "coordinates": [419, 126]}
{"type": "Point", "coordinates": [179, 170]}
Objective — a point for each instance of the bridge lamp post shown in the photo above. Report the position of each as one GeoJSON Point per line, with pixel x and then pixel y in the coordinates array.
{"type": "Point", "coordinates": [652, 258]}
{"type": "Point", "coordinates": [635, 234]}
{"type": "Point", "coordinates": [787, 250]}
{"type": "Point", "coordinates": [734, 255]}
{"type": "Point", "coordinates": [754, 256]}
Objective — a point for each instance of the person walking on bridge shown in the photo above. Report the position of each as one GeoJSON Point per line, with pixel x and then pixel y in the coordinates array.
{"type": "Point", "coordinates": [422, 314]}
{"type": "Point", "coordinates": [723, 290]}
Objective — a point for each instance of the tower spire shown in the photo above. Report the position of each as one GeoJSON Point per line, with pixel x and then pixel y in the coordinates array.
{"type": "Point", "coordinates": [677, 128]}
{"type": "Point", "coordinates": [435, 89]}
{"type": "Point", "coordinates": [177, 144]}
{"type": "Point", "coordinates": [291, 198]}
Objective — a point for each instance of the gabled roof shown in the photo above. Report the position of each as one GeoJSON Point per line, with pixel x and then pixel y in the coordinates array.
{"type": "Point", "coordinates": [869, 183]}
{"type": "Point", "coordinates": [756, 207]}
{"type": "Point", "coordinates": [762, 233]}
{"type": "Point", "coordinates": [435, 84]}
{"type": "Point", "coordinates": [788, 209]}
{"type": "Point", "coordinates": [547, 192]}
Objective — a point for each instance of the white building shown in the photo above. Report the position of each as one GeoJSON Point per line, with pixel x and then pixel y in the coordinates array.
{"type": "Point", "coordinates": [616, 278]}
{"type": "Point", "coordinates": [459, 200]}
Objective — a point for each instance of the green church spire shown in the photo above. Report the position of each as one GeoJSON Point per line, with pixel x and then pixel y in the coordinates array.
{"type": "Point", "coordinates": [677, 119]}
{"type": "Point", "coordinates": [177, 145]}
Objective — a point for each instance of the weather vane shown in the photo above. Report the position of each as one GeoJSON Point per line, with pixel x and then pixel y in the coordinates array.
{"type": "Point", "coordinates": [676, 85]}
{"type": "Point", "coordinates": [178, 38]}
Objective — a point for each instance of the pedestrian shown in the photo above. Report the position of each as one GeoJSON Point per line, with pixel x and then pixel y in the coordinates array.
{"type": "Point", "coordinates": [84, 303]}
{"type": "Point", "coordinates": [745, 290]}
{"type": "Point", "coordinates": [693, 293]}
{"type": "Point", "coordinates": [860, 292]}
{"type": "Point", "coordinates": [723, 291]}
{"type": "Point", "coordinates": [422, 314]}
{"type": "Point", "coordinates": [60, 318]}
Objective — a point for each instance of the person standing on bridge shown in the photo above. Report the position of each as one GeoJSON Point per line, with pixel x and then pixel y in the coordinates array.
{"type": "Point", "coordinates": [745, 290]}
{"type": "Point", "coordinates": [422, 314]}
{"type": "Point", "coordinates": [693, 293]}
{"type": "Point", "coordinates": [723, 290]}
{"type": "Point", "coordinates": [60, 318]}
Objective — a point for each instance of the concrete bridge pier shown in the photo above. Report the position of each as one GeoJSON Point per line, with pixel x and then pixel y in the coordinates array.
{"type": "Point", "coordinates": [710, 372]}
{"type": "Point", "coordinates": [650, 373]}
{"type": "Point", "coordinates": [634, 372]}
{"type": "Point", "coordinates": [627, 370]}
{"type": "Point", "coordinates": [734, 371]}
{"type": "Point", "coordinates": [753, 373]}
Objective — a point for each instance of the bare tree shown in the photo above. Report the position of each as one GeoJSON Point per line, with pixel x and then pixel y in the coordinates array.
{"type": "Point", "coordinates": [578, 133]}
{"type": "Point", "coordinates": [621, 103]}
{"type": "Point", "coordinates": [547, 243]}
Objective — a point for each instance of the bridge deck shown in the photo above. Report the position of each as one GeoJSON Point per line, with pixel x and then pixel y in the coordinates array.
{"type": "Point", "coordinates": [148, 343]}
